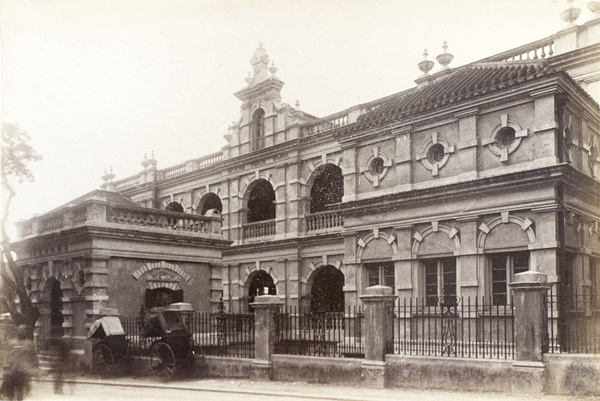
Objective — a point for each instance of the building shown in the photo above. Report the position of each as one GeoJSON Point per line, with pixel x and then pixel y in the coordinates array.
{"type": "Point", "coordinates": [449, 188]}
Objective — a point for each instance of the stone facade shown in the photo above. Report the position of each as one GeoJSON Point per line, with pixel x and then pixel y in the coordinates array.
{"type": "Point", "coordinates": [452, 187]}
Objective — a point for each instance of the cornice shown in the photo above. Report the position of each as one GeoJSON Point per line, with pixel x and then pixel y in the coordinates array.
{"type": "Point", "coordinates": [562, 173]}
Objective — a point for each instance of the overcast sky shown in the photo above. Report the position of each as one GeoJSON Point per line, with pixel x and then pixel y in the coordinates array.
{"type": "Point", "coordinates": [99, 83]}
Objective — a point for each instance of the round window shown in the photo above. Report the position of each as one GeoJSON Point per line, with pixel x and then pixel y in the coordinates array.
{"type": "Point", "coordinates": [376, 167]}
{"type": "Point", "coordinates": [505, 137]}
{"type": "Point", "coordinates": [436, 153]}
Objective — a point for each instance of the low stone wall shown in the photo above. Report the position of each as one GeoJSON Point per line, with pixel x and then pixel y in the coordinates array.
{"type": "Point", "coordinates": [316, 369]}
{"type": "Point", "coordinates": [227, 367]}
{"type": "Point", "coordinates": [572, 374]}
{"type": "Point", "coordinates": [463, 374]}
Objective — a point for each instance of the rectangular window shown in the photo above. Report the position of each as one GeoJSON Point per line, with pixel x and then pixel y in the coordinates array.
{"type": "Point", "coordinates": [440, 279]}
{"type": "Point", "coordinates": [504, 267]}
{"type": "Point", "coordinates": [380, 274]}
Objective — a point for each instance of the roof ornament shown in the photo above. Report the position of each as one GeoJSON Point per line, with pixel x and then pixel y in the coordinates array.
{"type": "Point", "coordinates": [108, 177]}
{"type": "Point", "coordinates": [248, 78]}
{"type": "Point", "coordinates": [145, 162]}
{"type": "Point", "coordinates": [152, 160]}
{"type": "Point", "coordinates": [426, 65]}
{"type": "Point", "coordinates": [297, 104]}
{"type": "Point", "coordinates": [594, 6]}
{"type": "Point", "coordinates": [571, 14]}
{"type": "Point", "coordinates": [445, 58]}
{"type": "Point", "coordinates": [272, 69]}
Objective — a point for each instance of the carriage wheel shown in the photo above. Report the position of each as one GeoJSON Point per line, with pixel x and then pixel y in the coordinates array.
{"type": "Point", "coordinates": [103, 360]}
{"type": "Point", "coordinates": [162, 360]}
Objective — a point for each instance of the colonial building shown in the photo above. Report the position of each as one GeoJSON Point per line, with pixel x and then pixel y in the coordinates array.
{"type": "Point", "coordinates": [450, 187]}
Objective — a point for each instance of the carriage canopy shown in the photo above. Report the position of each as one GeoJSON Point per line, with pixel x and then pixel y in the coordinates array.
{"type": "Point", "coordinates": [105, 327]}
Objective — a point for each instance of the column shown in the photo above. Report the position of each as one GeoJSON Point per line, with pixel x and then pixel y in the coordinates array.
{"type": "Point", "coordinates": [265, 308]}
{"type": "Point", "coordinates": [379, 333]}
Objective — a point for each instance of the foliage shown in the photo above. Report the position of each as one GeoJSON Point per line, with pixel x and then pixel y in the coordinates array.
{"type": "Point", "coordinates": [16, 154]}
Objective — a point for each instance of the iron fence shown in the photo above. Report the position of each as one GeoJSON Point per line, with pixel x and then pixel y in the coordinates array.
{"type": "Point", "coordinates": [216, 334]}
{"type": "Point", "coordinates": [329, 334]}
{"type": "Point", "coordinates": [224, 334]}
{"type": "Point", "coordinates": [573, 321]}
{"type": "Point", "coordinates": [454, 327]}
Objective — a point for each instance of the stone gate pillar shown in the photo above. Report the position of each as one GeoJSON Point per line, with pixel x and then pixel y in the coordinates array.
{"type": "Point", "coordinates": [265, 332]}
{"type": "Point", "coordinates": [530, 331]}
{"type": "Point", "coordinates": [379, 333]}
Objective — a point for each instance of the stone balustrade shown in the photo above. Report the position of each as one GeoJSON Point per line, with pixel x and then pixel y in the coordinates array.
{"type": "Point", "coordinates": [259, 229]}
{"type": "Point", "coordinates": [324, 221]}
{"type": "Point", "coordinates": [533, 51]}
{"type": "Point", "coordinates": [170, 172]}
{"type": "Point", "coordinates": [98, 212]}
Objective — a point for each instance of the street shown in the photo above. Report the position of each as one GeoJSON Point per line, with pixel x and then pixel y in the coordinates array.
{"type": "Point", "coordinates": [223, 389]}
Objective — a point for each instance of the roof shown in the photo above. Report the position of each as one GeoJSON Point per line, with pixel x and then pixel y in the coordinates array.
{"type": "Point", "coordinates": [464, 83]}
{"type": "Point", "coordinates": [98, 194]}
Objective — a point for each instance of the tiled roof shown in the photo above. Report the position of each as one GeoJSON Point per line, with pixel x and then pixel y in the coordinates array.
{"type": "Point", "coordinates": [108, 196]}
{"type": "Point", "coordinates": [465, 83]}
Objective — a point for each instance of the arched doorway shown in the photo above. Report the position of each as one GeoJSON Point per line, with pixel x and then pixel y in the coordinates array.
{"type": "Point", "coordinates": [174, 207]}
{"type": "Point", "coordinates": [261, 202]}
{"type": "Point", "coordinates": [327, 291]}
{"type": "Point", "coordinates": [327, 188]}
{"type": "Point", "coordinates": [208, 202]}
{"type": "Point", "coordinates": [260, 284]}
{"type": "Point", "coordinates": [56, 308]}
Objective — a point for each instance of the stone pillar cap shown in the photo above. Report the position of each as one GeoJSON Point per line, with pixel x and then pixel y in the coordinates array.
{"type": "Point", "coordinates": [267, 299]}
{"type": "Point", "coordinates": [530, 277]}
{"type": "Point", "coordinates": [180, 306]}
{"type": "Point", "coordinates": [379, 290]}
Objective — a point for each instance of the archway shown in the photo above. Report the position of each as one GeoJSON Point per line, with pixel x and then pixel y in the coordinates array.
{"type": "Point", "coordinates": [208, 202]}
{"type": "Point", "coordinates": [56, 308]}
{"type": "Point", "coordinates": [327, 290]}
{"type": "Point", "coordinates": [174, 207]}
{"type": "Point", "coordinates": [327, 188]}
{"type": "Point", "coordinates": [260, 284]}
{"type": "Point", "coordinates": [261, 201]}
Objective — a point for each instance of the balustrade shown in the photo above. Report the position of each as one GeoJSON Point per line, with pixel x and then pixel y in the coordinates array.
{"type": "Point", "coordinates": [162, 219]}
{"type": "Point", "coordinates": [52, 223]}
{"type": "Point", "coordinates": [324, 221]}
{"type": "Point", "coordinates": [127, 182]}
{"type": "Point", "coordinates": [259, 229]}
{"type": "Point", "coordinates": [534, 51]}
{"type": "Point", "coordinates": [120, 214]}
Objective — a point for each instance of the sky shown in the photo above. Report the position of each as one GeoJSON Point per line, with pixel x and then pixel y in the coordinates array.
{"type": "Point", "coordinates": [98, 83]}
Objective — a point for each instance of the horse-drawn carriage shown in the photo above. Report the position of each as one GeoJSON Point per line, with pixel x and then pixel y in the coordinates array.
{"type": "Point", "coordinates": [171, 343]}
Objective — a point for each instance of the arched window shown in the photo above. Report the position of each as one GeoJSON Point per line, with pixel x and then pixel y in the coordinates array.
{"type": "Point", "coordinates": [327, 188]}
{"type": "Point", "coordinates": [257, 130]}
{"type": "Point", "coordinates": [261, 202]}
{"type": "Point", "coordinates": [210, 201]}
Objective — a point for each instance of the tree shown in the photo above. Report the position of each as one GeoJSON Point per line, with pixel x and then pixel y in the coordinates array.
{"type": "Point", "coordinates": [16, 155]}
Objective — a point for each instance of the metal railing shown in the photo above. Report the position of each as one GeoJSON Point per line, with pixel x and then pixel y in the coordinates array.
{"type": "Point", "coordinates": [573, 321]}
{"type": "Point", "coordinates": [224, 334]}
{"type": "Point", "coordinates": [454, 327]}
{"type": "Point", "coordinates": [327, 334]}
{"type": "Point", "coordinates": [217, 334]}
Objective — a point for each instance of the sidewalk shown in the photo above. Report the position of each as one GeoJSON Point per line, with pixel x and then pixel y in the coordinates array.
{"type": "Point", "coordinates": [290, 390]}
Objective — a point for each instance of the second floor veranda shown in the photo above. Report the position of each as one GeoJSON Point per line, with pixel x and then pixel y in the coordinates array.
{"type": "Point", "coordinates": [105, 209]}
